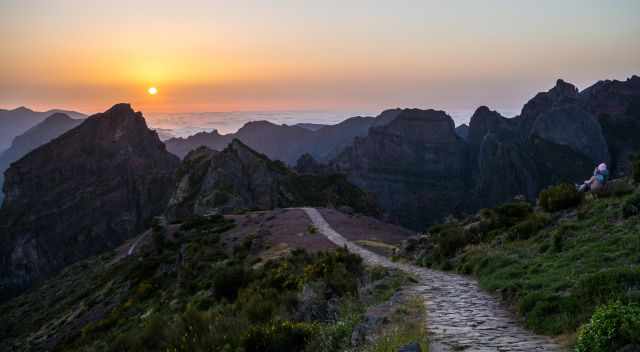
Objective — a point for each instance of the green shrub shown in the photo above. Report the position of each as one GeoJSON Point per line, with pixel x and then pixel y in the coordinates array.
{"type": "Point", "coordinates": [607, 285]}
{"type": "Point", "coordinates": [611, 328]}
{"type": "Point", "coordinates": [510, 214]}
{"type": "Point", "coordinates": [557, 241]}
{"type": "Point", "coordinates": [279, 336]}
{"type": "Point", "coordinates": [227, 282]}
{"type": "Point", "coordinates": [631, 206]}
{"type": "Point", "coordinates": [339, 270]}
{"type": "Point", "coordinates": [549, 314]}
{"type": "Point", "coordinates": [635, 168]}
{"type": "Point", "coordinates": [529, 227]}
{"type": "Point", "coordinates": [562, 196]}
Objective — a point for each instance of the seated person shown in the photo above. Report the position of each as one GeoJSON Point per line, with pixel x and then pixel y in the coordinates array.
{"type": "Point", "coordinates": [597, 181]}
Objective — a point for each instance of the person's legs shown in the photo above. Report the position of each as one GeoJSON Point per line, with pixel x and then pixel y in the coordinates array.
{"type": "Point", "coordinates": [586, 186]}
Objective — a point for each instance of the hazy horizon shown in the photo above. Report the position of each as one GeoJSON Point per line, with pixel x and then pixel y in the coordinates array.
{"type": "Point", "coordinates": [305, 55]}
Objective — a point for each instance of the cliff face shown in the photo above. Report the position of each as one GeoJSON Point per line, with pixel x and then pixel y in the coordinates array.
{"type": "Point", "coordinates": [616, 105]}
{"type": "Point", "coordinates": [560, 136]}
{"type": "Point", "coordinates": [80, 194]}
{"type": "Point", "coordinates": [416, 165]}
{"type": "Point", "coordinates": [240, 178]}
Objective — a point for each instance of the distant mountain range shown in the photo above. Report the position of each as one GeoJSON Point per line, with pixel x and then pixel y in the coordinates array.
{"type": "Point", "coordinates": [284, 142]}
{"type": "Point", "coordinates": [52, 127]}
{"type": "Point", "coordinates": [17, 121]}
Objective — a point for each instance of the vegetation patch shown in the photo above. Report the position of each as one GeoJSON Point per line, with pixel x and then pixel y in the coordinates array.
{"type": "Point", "coordinates": [200, 290]}
{"type": "Point", "coordinates": [556, 268]}
{"type": "Point", "coordinates": [562, 196]}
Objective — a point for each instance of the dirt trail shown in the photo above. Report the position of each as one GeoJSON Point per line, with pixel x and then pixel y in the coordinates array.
{"type": "Point", "coordinates": [461, 317]}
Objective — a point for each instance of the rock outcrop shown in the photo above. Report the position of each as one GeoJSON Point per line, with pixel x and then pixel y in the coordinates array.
{"type": "Point", "coordinates": [240, 178]}
{"type": "Point", "coordinates": [416, 165]}
{"type": "Point", "coordinates": [80, 194]}
{"type": "Point", "coordinates": [558, 137]}
{"type": "Point", "coordinates": [616, 105]}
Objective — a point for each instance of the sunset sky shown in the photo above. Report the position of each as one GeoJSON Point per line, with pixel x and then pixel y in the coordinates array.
{"type": "Point", "coordinates": [288, 55]}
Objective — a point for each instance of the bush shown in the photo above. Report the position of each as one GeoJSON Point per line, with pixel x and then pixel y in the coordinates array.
{"type": "Point", "coordinates": [529, 227]}
{"type": "Point", "coordinates": [510, 214]}
{"type": "Point", "coordinates": [279, 336]}
{"type": "Point", "coordinates": [631, 206]}
{"type": "Point", "coordinates": [635, 168]}
{"type": "Point", "coordinates": [611, 328]}
{"type": "Point", "coordinates": [449, 239]}
{"type": "Point", "coordinates": [562, 196]}
{"type": "Point", "coordinates": [227, 282]}
{"type": "Point", "coordinates": [549, 314]}
{"type": "Point", "coordinates": [339, 270]}
{"type": "Point", "coordinates": [607, 285]}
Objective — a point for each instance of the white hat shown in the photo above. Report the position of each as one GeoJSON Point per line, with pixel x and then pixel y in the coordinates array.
{"type": "Point", "coordinates": [602, 167]}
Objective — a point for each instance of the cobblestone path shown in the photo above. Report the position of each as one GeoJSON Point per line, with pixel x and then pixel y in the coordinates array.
{"type": "Point", "coordinates": [460, 316]}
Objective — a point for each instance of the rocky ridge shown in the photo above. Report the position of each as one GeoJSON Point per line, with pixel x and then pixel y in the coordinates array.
{"type": "Point", "coordinates": [81, 194]}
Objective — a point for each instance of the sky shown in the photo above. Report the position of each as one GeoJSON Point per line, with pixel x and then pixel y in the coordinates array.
{"type": "Point", "coordinates": [308, 55]}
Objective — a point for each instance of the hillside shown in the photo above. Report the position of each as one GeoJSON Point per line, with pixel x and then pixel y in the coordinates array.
{"type": "Point", "coordinates": [239, 178]}
{"type": "Point", "coordinates": [81, 194]}
{"type": "Point", "coordinates": [259, 282]}
{"type": "Point", "coordinates": [554, 265]}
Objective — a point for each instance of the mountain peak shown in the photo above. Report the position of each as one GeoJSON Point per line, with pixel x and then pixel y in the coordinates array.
{"type": "Point", "coordinates": [120, 108]}
{"type": "Point", "coordinates": [58, 116]}
{"type": "Point", "coordinates": [22, 109]}
{"type": "Point", "coordinates": [563, 89]}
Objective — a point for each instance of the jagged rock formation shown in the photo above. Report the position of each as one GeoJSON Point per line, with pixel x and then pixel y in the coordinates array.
{"type": "Point", "coordinates": [616, 105]}
{"type": "Point", "coordinates": [307, 164]}
{"type": "Point", "coordinates": [52, 127]}
{"type": "Point", "coordinates": [82, 193]}
{"type": "Point", "coordinates": [463, 131]}
{"type": "Point", "coordinates": [416, 165]}
{"type": "Point", "coordinates": [240, 178]}
{"type": "Point", "coordinates": [557, 138]}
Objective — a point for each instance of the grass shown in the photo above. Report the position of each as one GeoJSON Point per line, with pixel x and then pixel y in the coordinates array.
{"type": "Point", "coordinates": [407, 325]}
{"type": "Point", "coordinates": [563, 269]}
{"type": "Point", "coordinates": [378, 247]}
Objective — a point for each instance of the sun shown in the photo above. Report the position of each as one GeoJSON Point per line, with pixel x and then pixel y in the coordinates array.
{"type": "Point", "coordinates": [152, 90]}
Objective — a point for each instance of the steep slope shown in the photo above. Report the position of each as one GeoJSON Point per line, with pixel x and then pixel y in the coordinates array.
{"type": "Point", "coordinates": [52, 127]}
{"type": "Point", "coordinates": [17, 121]}
{"type": "Point", "coordinates": [239, 178]}
{"type": "Point", "coordinates": [416, 165]}
{"type": "Point", "coordinates": [82, 193]}
{"type": "Point", "coordinates": [616, 104]}
{"type": "Point", "coordinates": [557, 266]}
{"type": "Point", "coordinates": [207, 284]}
{"type": "Point", "coordinates": [556, 138]}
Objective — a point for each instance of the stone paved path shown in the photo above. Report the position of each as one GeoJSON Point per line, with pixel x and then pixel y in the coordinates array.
{"type": "Point", "coordinates": [461, 317]}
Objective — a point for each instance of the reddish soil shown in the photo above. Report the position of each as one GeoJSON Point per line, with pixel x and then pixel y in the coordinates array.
{"type": "Point", "coordinates": [359, 227]}
{"type": "Point", "coordinates": [290, 226]}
